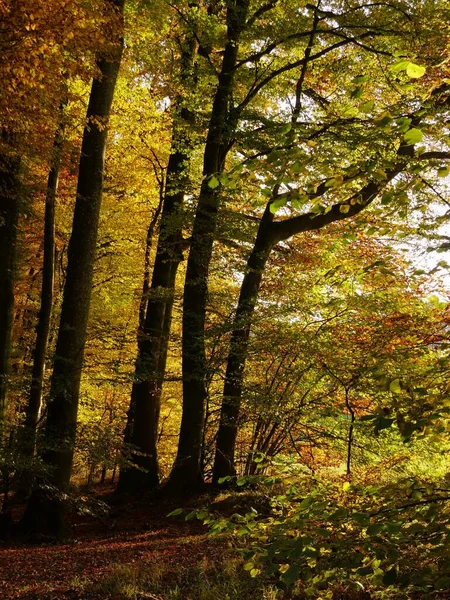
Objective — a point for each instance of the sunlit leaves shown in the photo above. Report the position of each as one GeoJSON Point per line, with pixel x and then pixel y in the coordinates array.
{"type": "Point", "coordinates": [413, 136]}
{"type": "Point", "coordinates": [413, 70]}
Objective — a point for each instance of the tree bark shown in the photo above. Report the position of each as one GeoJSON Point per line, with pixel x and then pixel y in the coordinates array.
{"type": "Point", "coordinates": [186, 473]}
{"type": "Point", "coordinates": [9, 212]}
{"type": "Point", "coordinates": [33, 409]}
{"type": "Point", "coordinates": [232, 393]}
{"type": "Point", "coordinates": [45, 509]}
{"type": "Point", "coordinates": [145, 405]}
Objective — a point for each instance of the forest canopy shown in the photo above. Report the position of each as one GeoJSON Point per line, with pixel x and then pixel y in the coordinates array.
{"type": "Point", "coordinates": [224, 227]}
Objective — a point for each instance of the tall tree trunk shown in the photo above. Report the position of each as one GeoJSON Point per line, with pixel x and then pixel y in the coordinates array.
{"type": "Point", "coordinates": [153, 339]}
{"type": "Point", "coordinates": [232, 393]}
{"type": "Point", "coordinates": [128, 432]}
{"type": "Point", "coordinates": [186, 472]}
{"type": "Point", "coordinates": [33, 409]}
{"type": "Point", "coordinates": [9, 211]}
{"type": "Point", "coordinates": [45, 509]}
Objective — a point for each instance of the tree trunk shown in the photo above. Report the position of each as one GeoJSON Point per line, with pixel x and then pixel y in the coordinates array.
{"type": "Point", "coordinates": [43, 327]}
{"type": "Point", "coordinates": [153, 340]}
{"type": "Point", "coordinates": [45, 510]}
{"type": "Point", "coordinates": [186, 473]}
{"type": "Point", "coordinates": [9, 211]}
{"type": "Point", "coordinates": [231, 403]}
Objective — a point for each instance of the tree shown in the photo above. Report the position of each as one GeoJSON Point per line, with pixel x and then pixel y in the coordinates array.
{"type": "Point", "coordinates": [153, 337]}
{"type": "Point", "coordinates": [273, 232]}
{"type": "Point", "coordinates": [45, 511]}
{"type": "Point", "coordinates": [186, 472]}
{"type": "Point", "coordinates": [9, 213]}
{"type": "Point", "coordinates": [33, 409]}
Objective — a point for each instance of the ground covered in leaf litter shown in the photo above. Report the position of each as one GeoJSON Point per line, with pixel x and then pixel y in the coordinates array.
{"type": "Point", "coordinates": [138, 533]}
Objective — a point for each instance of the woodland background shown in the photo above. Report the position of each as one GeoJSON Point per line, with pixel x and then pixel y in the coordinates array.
{"type": "Point", "coordinates": [223, 237]}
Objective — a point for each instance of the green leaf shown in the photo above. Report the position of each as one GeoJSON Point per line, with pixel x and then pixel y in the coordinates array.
{"type": "Point", "coordinates": [347, 485]}
{"type": "Point", "coordinates": [360, 79]}
{"type": "Point", "coordinates": [213, 182]}
{"type": "Point", "coordinates": [276, 204]}
{"type": "Point", "coordinates": [258, 457]}
{"type": "Point", "coordinates": [361, 518]}
{"type": "Point", "coordinates": [224, 479]}
{"type": "Point", "coordinates": [344, 208]}
{"type": "Point", "coordinates": [401, 65]}
{"type": "Point", "coordinates": [383, 423]}
{"type": "Point", "coordinates": [375, 529]}
{"type": "Point", "coordinates": [387, 198]}
{"type": "Point", "coordinates": [382, 120]}
{"type": "Point", "coordinates": [413, 136]}
{"type": "Point", "coordinates": [306, 503]}
{"type": "Point", "coordinates": [291, 575]}
{"type": "Point", "coordinates": [443, 172]}
{"type": "Point", "coordinates": [356, 93]}
{"type": "Point", "coordinates": [286, 128]}
{"type": "Point", "coordinates": [395, 386]}
{"type": "Point", "coordinates": [415, 71]}
{"type": "Point", "coordinates": [176, 512]}
{"type": "Point", "coordinates": [366, 107]}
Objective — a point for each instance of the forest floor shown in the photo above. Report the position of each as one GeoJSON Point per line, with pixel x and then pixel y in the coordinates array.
{"type": "Point", "coordinates": [108, 557]}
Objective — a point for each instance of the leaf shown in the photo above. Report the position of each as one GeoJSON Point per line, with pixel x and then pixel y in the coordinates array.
{"type": "Point", "coordinates": [382, 120]}
{"type": "Point", "coordinates": [360, 79]}
{"type": "Point", "coordinates": [176, 512]}
{"type": "Point", "coordinates": [413, 136]}
{"type": "Point", "coordinates": [335, 181]}
{"type": "Point", "coordinates": [401, 65]}
{"type": "Point", "coordinates": [390, 577]}
{"type": "Point", "coordinates": [415, 71]}
{"type": "Point", "coordinates": [286, 128]}
{"type": "Point", "coordinates": [347, 485]}
{"type": "Point", "coordinates": [375, 529]}
{"type": "Point", "coordinates": [443, 172]}
{"type": "Point", "coordinates": [259, 457]}
{"type": "Point", "coordinates": [344, 208]}
{"type": "Point", "coordinates": [356, 93]}
{"type": "Point", "coordinates": [366, 107]}
{"type": "Point", "coordinates": [387, 198]}
{"type": "Point", "coordinates": [224, 479]}
{"type": "Point", "coordinates": [306, 503]}
{"type": "Point", "coordinates": [291, 575]}
{"type": "Point", "coordinates": [361, 518]}
{"type": "Point", "coordinates": [395, 386]}
{"type": "Point", "coordinates": [213, 182]}
{"type": "Point", "coordinates": [383, 423]}
{"type": "Point", "coordinates": [276, 204]}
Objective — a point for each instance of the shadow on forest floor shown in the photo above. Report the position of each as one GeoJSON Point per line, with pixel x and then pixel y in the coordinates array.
{"type": "Point", "coordinates": [135, 553]}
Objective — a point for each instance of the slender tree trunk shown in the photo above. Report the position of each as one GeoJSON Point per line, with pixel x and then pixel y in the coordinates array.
{"type": "Point", "coordinates": [9, 211]}
{"type": "Point", "coordinates": [231, 403]}
{"type": "Point", "coordinates": [33, 409]}
{"type": "Point", "coordinates": [45, 509]}
{"type": "Point", "coordinates": [128, 432]}
{"type": "Point", "coordinates": [154, 335]}
{"type": "Point", "coordinates": [186, 473]}
{"type": "Point", "coordinates": [350, 431]}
